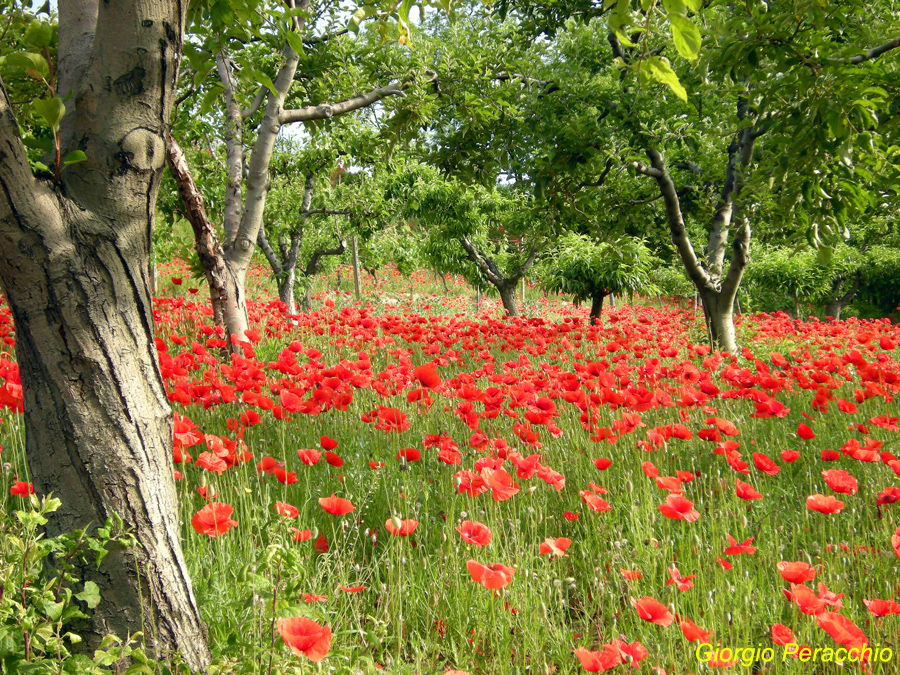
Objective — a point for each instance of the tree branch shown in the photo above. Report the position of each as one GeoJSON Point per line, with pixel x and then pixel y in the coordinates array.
{"type": "Point", "coordinates": [487, 265]}
{"type": "Point", "coordinates": [257, 101]}
{"type": "Point", "coordinates": [324, 111]}
{"type": "Point", "coordinates": [674, 218]}
{"type": "Point", "coordinates": [312, 267]}
{"type": "Point", "coordinates": [869, 54]}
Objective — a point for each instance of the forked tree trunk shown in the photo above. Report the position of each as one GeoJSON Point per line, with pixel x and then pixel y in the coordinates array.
{"type": "Point", "coordinates": [226, 282]}
{"type": "Point", "coordinates": [74, 262]}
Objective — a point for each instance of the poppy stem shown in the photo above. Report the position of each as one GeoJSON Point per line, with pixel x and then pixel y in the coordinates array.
{"type": "Point", "coordinates": [272, 627]}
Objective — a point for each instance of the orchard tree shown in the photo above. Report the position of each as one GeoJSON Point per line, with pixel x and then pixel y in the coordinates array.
{"type": "Point", "coordinates": [586, 269]}
{"type": "Point", "coordinates": [74, 258]}
{"type": "Point", "coordinates": [268, 68]}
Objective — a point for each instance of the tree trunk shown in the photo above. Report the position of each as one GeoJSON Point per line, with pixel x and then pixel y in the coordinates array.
{"type": "Point", "coordinates": [357, 288]}
{"type": "Point", "coordinates": [522, 282]}
{"type": "Point", "coordinates": [74, 262]}
{"type": "Point", "coordinates": [508, 297]}
{"type": "Point", "coordinates": [286, 291]}
{"type": "Point", "coordinates": [99, 434]}
{"type": "Point", "coordinates": [596, 308]}
{"type": "Point", "coordinates": [718, 310]}
{"type": "Point", "coordinates": [225, 279]}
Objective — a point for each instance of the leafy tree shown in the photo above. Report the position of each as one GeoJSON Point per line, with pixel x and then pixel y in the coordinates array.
{"type": "Point", "coordinates": [590, 270]}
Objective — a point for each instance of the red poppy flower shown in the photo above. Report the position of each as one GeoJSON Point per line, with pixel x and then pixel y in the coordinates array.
{"type": "Point", "coordinates": [21, 488]}
{"type": "Point", "coordinates": [555, 547]}
{"type": "Point", "coordinates": [401, 528]}
{"type": "Point", "coordinates": [569, 515]}
{"type": "Point", "coordinates": [327, 443]}
{"type": "Point", "coordinates": [490, 576]}
{"type": "Point", "coordinates": [746, 491]}
{"type": "Point", "coordinates": [895, 542]}
{"type": "Point", "coordinates": [692, 632]}
{"type": "Point", "coordinates": [311, 597]}
{"type": "Point", "coordinates": [824, 504]}
{"type": "Point", "coordinates": [842, 630]}
{"type": "Point", "coordinates": [322, 544]}
{"type": "Point", "coordinates": [782, 635]}
{"type": "Point", "coordinates": [735, 548]}
{"type": "Point", "coordinates": [631, 575]}
{"type": "Point", "coordinates": [765, 464]}
{"type": "Point", "coordinates": [804, 432]}
{"type": "Point", "coordinates": [300, 535]}
{"type": "Point", "coordinates": [305, 637]}
{"type": "Point", "coordinates": [796, 572]}
{"type": "Point", "coordinates": [806, 599]}
{"type": "Point", "coordinates": [790, 456]}
{"type": "Point", "coordinates": [409, 454]}
{"type": "Point", "coordinates": [602, 463]}
{"type": "Point", "coordinates": [286, 510]}
{"type": "Point", "coordinates": [682, 583]}
{"type": "Point", "coordinates": [840, 481]}
{"type": "Point", "coordinates": [882, 607]}
{"type": "Point", "coordinates": [309, 456]}
{"type": "Point", "coordinates": [336, 506]}
{"type": "Point", "coordinates": [652, 610]}
{"type": "Point", "coordinates": [600, 661]}
{"type": "Point", "coordinates": [352, 589]}
{"type": "Point", "coordinates": [333, 459]}
{"type": "Point", "coordinates": [473, 532]}
{"type": "Point", "coordinates": [678, 507]}
{"type": "Point", "coordinates": [213, 519]}
{"type": "Point", "coordinates": [427, 375]}
{"type": "Point", "coordinates": [594, 502]}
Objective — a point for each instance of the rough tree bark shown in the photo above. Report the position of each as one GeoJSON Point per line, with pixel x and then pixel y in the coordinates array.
{"type": "Point", "coordinates": [74, 262]}
{"type": "Point", "coordinates": [836, 304]}
{"type": "Point", "coordinates": [357, 288]}
{"type": "Point", "coordinates": [505, 285]}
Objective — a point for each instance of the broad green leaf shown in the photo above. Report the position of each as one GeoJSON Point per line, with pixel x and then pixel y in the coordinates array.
{"type": "Point", "coordinates": [658, 68]}
{"type": "Point", "coordinates": [90, 595]}
{"type": "Point", "coordinates": [686, 36]}
{"type": "Point", "coordinates": [261, 78]}
{"type": "Point", "coordinates": [39, 34]}
{"type": "Point", "coordinates": [695, 5]}
{"type": "Point", "coordinates": [74, 157]}
{"type": "Point", "coordinates": [51, 110]}
{"type": "Point", "coordinates": [28, 61]}
{"type": "Point", "coordinates": [294, 40]}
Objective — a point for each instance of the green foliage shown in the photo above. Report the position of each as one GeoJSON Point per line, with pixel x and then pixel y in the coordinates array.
{"type": "Point", "coordinates": [584, 268]}
{"type": "Point", "coordinates": [43, 600]}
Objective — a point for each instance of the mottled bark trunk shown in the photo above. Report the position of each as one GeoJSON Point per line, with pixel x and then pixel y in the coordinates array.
{"type": "Point", "coordinates": [508, 298]}
{"type": "Point", "coordinates": [597, 308]}
{"type": "Point", "coordinates": [357, 288]}
{"type": "Point", "coordinates": [286, 291]}
{"type": "Point", "coordinates": [718, 311]}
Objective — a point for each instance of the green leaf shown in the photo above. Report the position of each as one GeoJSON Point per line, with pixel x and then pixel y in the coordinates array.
{"type": "Point", "coordinates": [51, 110]}
{"type": "Point", "coordinates": [74, 157]}
{"type": "Point", "coordinates": [261, 78]}
{"type": "Point", "coordinates": [90, 595]}
{"type": "Point", "coordinates": [28, 61]}
{"type": "Point", "coordinates": [695, 5]}
{"type": "Point", "coordinates": [295, 41]}
{"type": "Point", "coordinates": [39, 34]}
{"type": "Point", "coordinates": [686, 36]}
{"type": "Point", "coordinates": [658, 68]}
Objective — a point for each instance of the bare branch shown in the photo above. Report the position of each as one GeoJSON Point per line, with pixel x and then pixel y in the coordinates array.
{"type": "Point", "coordinates": [325, 111]}
{"type": "Point", "coordinates": [869, 54]}
{"type": "Point", "coordinates": [257, 101]}
{"type": "Point", "coordinates": [647, 170]}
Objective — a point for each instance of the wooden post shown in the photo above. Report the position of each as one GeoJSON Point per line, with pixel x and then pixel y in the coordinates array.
{"type": "Point", "coordinates": [357, 289]}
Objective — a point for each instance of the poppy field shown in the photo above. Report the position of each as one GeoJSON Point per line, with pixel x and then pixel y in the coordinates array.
{"type": "Point", "coordinates": [411, 485]}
